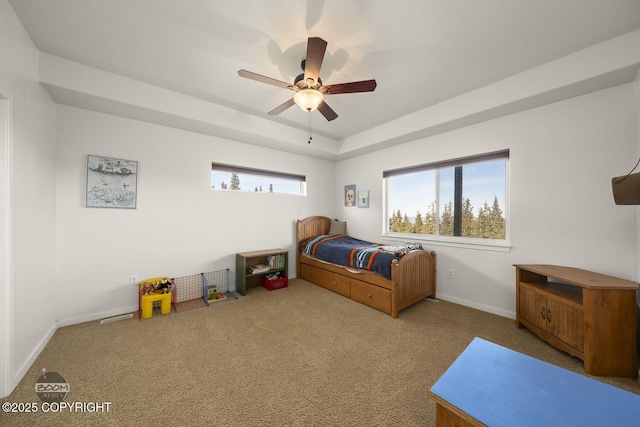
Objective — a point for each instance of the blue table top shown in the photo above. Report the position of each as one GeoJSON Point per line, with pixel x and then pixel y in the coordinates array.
{"type": "Point", "coordinates": [501, 387]}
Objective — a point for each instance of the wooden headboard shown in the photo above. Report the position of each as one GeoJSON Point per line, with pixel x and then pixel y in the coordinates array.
{"type": "Point", "coordinates": [312, 226]}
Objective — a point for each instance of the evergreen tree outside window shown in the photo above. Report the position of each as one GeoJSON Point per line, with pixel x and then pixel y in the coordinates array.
{"type": "Point", "coordinates": [238, 178]}
{"type": "Point", "coordinates": [452, 200]}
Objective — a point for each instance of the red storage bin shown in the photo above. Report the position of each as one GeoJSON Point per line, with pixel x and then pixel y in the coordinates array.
{"type": "Point", "coordinates": [272, 285]}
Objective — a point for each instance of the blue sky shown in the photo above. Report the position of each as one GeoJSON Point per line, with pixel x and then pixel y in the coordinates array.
{"type": "Point", "coordinates": [481, 182]}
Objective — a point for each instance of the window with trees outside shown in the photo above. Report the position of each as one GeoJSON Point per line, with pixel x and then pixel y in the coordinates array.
{"type": "Point", "coordinates": [455, 200]}
{"type": "Point", "coordinates": [238, 178]}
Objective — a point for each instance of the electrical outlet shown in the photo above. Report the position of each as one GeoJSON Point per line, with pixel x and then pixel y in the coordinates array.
{"type": "Point", "coordinates": [134, 279]}
{"type": "Point", "coordinates": [451, 274]}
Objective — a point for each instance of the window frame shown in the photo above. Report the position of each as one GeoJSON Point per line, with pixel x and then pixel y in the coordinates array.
{"type": "Point", "coordinates": [499, 245]}
{"type": "Point", "coordinates": [224, 167]}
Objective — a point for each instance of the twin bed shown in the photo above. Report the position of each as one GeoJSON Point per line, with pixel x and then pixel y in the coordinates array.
{"type": "Point", "coordinates": [388, 278]}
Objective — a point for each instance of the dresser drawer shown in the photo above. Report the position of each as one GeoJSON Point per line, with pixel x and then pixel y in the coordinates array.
{"type": "Point", "coordinates": [371, 295]}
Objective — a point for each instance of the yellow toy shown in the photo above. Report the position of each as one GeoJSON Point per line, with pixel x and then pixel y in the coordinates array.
{"type": "Point", "coordinates": [151, 290]}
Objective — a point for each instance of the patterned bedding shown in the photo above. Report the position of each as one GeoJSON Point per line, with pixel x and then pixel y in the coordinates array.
{"type": "Point", "coordinates": [351, 252]}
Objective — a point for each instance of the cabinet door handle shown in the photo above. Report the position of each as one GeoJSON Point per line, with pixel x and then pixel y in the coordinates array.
{"type": "Point", "coordinates": [548, 315]}
{"type": "Point", "coordinates": [542, 313]}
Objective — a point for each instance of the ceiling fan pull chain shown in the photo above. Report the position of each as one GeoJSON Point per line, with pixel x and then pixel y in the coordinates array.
{"type": "Point", "coordinates": [310, 129]}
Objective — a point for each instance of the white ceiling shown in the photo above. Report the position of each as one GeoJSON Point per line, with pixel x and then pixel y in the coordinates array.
{"type": "Point", "coordinates": [421, 52]}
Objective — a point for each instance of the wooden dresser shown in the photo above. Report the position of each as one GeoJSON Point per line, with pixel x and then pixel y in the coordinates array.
{"type": "Point", "coordinates": [588, 315]}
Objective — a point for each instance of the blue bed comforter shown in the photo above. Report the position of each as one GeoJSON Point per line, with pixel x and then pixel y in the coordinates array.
{"type": "Point", "coordinates": [348, 251]}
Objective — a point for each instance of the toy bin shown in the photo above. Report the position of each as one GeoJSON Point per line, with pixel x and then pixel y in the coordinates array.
{"type": "Point", "coordinates": [272, 285]}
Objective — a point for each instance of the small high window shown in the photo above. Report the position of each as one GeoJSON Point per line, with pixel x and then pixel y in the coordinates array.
{"type": "Point", "coordinates": [238, 178]}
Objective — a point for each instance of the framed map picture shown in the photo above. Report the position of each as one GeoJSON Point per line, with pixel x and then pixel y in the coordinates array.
{"type": "Point", "coordinates": [363, 198]}
{"type": "Point", "coordinates": [111, 183]}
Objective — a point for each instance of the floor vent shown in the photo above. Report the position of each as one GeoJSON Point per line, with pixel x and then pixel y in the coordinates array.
{"type": "Point", "coordinates": [116, 318]}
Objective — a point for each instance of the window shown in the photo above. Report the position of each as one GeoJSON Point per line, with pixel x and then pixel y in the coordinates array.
{"type": "Point", "coordinates": [228, 177]}
{"type": "Point", "coordinates": [455, 200]}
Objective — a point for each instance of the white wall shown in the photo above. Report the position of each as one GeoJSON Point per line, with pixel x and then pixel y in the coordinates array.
{"type": "Point", "coordinates": [68, 263]}
{"type": "Point", "coordinates": [637, 210]}
{"type": "Point", "coordinates": [6, 300]}
{"type": "Point", "coordinates": [30, 216]}
{"type": "Point", "coordinates": [181, 226]}
{"type": "Point", "coordinates": [636, 271]}
{"type": "Point", "coordinates": [562, 158]}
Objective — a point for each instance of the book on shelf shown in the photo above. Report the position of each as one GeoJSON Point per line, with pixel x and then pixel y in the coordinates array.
{"type": "Point", "coordinates": [259, 268]}
{"type": "Point", "coordinates": [275, 262]}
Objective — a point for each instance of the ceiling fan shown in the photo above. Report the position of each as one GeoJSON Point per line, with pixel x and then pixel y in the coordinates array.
{"type": "Point", "coordinates": [308, 87]}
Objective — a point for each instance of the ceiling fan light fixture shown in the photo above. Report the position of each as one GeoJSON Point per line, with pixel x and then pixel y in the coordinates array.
{"type": "Point", "coordinates": [308, 99]}
{"type": "Point", "coordinates": [308, 86]}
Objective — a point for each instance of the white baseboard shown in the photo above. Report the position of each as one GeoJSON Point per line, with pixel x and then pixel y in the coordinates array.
{"type": "Point", "coordinates": [26, 364]}
{"type": "Point", "coordinates": [96, 316]}
{"type": "Point", "coordinates": [481, 307]}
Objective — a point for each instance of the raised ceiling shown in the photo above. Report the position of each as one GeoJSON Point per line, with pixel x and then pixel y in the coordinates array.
{"type": "Point", "coordinates": [421, 52]}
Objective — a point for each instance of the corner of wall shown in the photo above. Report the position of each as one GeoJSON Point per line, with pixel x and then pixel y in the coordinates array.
{"type": "Point", "coordinates": [636, 231]}
{"type": "Point", "coordinates": [22, 370]}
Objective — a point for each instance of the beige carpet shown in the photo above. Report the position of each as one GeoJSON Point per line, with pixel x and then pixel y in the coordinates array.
{"type": "Point", "coordinates": [299, 356]}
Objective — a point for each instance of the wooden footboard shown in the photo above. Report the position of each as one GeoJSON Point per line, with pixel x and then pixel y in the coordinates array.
{"type": "Point", "coordinates": [412, 278]}
{"type": "Point", "coordinates": [415, 279]}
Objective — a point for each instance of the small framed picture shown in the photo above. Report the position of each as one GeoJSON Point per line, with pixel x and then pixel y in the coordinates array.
{"type": "Point", "coordinates": [111, 183]}
{"type": "Point", "coordinates": [350, 195]}
{"type": "Point", "coordinates": [363, 198]}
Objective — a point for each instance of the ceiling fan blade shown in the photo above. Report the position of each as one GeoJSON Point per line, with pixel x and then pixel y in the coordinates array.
{"type": "Point", "coordinates": [353, 87]}
{"type": "Point", "coordinates": [263, 79]}
{"type": "Point", "coordinates": [315, 54]}
{"type": "Point", "coordinates": [327, 112]}
{"type": "Point", "coordinates": [282, 107]}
